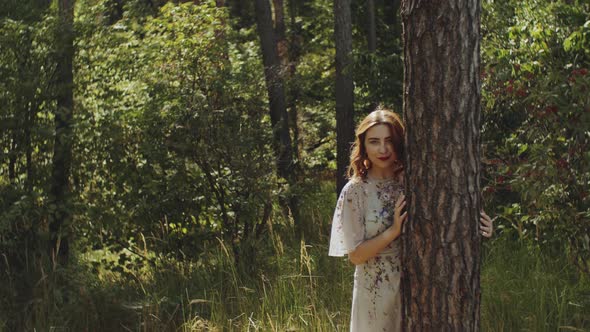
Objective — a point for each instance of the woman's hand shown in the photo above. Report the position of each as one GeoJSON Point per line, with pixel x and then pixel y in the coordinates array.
{"type": "Point", "coordinates": [486, 225]}
{"type": "Point", "coordinates": [372, 247]}
{"type": "Point", "coordinates": [399, 217]}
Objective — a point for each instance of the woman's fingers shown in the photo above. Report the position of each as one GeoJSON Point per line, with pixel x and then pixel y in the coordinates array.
{"type": "Point", "coordinates": [400, 200]}
{"type": "Point", "coordinates": [486, 225]}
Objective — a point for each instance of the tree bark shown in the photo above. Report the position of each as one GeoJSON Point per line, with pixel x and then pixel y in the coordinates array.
{"type": "Point", "coordinates": [60, 216]}
{"type": "Point", "coordinates": [279, 19]}
{"type": "Point", "coordinates": [295, 42]}
{"type": "Point", "coordinates": [275, 88]}
{"type": "Point", "coordinates": [441, 241]}
{"type": "Point", "coordinates": [344, 89]}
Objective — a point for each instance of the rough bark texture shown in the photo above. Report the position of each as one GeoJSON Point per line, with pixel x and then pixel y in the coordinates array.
{"type": "Point", "coordinates": [344, 89]}
{"type": "Point", "coordinates": [275, 87]}
{"type": "Point", "coordinates": [280, 31]}
{"type": "Point", "coordinates": [441, 242]}
{"type": "Point", "coordinates": [60, 215]}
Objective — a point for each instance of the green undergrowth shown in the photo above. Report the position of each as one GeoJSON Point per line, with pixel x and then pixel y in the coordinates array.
{"type": "Point", "coordinates": [527, 289]}
{"type": "Point", "coordinates": [281, 284]}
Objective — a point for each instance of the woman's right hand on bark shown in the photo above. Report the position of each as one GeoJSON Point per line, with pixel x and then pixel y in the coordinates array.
{"type": "Point", "coordinates": [399, 214]}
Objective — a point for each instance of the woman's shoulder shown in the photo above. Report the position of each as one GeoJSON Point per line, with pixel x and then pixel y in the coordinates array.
{"type": "Point", "coordinates": [354, 186]}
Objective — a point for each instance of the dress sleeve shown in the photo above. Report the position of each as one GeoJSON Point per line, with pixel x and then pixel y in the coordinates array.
{"type": "Point", "coordinates": [348, 225]}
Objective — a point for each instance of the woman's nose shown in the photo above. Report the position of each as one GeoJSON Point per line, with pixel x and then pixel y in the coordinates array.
{"type": "Point", "coordinates": [382, 148]}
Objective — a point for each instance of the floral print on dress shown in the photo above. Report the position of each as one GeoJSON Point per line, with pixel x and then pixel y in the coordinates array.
{"type": "Point", "coordinates": [365, 209]}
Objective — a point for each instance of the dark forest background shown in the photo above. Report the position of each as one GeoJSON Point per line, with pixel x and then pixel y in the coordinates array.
{"type": "Point", "coordinates": [172, 165]}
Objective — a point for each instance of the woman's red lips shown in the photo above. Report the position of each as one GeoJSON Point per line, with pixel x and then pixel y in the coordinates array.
{"type": "Point", "coordinates": [384, 158]}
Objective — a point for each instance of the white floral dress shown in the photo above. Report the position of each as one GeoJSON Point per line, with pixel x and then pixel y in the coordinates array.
{"type": "Point", "coordinates": [365, 209]}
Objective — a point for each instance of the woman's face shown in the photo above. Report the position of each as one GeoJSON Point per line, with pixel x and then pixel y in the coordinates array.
{"type": "Point", "coordinates": [379, 147]}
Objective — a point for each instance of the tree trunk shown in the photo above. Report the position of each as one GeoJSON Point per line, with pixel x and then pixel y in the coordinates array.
{"type": "Point", "coordinates": [441, 241]}
{"type": "Point", "coordinates": [60, 216]}
{"type": "Point", "coordinates": [275, 88]}
{"type": "Point", "coordinates": [371, 27]}
{"type": "Point", "coordinates": [344, 89]}
{"type": "Point", "coordinates": [280, 28]}
{"type": "Point", "coordinates": [295, 42]}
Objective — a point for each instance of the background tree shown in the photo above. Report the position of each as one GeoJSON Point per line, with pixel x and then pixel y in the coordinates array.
{"type": "Point", "coordinates": [441, 244]}
{"type": "Point", "coordinates": [274, 75]}
{"type": "Point", "coordinates": [60, 217]}
{"type": "Point", "coordinates": [344, 89]}
{"type": "Point", "coordinates": [275, 87]}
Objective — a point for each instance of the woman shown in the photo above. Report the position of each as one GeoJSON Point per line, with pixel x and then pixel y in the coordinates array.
{"type": "Point", "coordinates": [368, 220]}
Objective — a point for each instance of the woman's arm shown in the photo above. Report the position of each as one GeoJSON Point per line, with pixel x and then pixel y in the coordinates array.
{"type": "Point", "coordinates": [370, 248]}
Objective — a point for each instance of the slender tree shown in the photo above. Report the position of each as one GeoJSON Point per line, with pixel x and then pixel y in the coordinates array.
{"type": "Point", "coordinates": [344, 89]}
{"type": "Point", "coordinates": [275, 86]}
{"type": "Point", "coordinates": [295, 41]}
{"type": "Point", "coordinates": [279, 24]}
{"type": "Point", "coordinates": [441, 244]}
{"type": "Point", "coordinates": [60, 216]}
{"type": "Point", "coordinates": [279, 117]}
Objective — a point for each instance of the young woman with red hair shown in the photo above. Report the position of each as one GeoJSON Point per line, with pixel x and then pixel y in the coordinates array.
{"type": "Point", "coordinates": [368, 221]}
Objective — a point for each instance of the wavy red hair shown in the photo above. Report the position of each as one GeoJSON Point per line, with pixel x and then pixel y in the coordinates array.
{"type": "Point", "coordinates": [358, 155]}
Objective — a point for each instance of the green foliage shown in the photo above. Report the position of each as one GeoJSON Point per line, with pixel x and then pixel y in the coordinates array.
{"type": "Point", "coordinates": [537, 122]}
{"type": "Point", "coordinates": [526, 289]}
{"type": "Point", "coordinates": [378, 75]}
{"type": "Point", "coordinates": [162, 105]}
{"type": "Point", "coordinates": [27, 95]}
{"type": "Point", "coordinates": [175, 199]}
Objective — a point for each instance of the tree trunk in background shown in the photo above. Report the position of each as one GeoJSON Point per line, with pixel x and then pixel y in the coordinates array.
{"type": "Point", "coordinates": [344, 89]}
{"type": "Point", "coordinates": [60, 216]}
{"type": "Point", "coordinates": [278, 110]}
{"type": "Point", "coordinates": [295, 42]}
{"type": "Point", "coordinates": [441, 241]}
{"type": "Point", "coordinates": [280, 30]}
{"type": "Point", "coordinates": [371, 27]}
{"type": "Point", "coordinates": [275, 87]}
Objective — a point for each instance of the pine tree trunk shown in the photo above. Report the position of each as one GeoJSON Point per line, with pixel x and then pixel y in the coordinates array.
{"type": "Point", "coordinates": [279, 19]}
{"type": "Point", "coordinates": [275, 87]}
{"type": "Point", "coordinates": [344, 89]}
{"type": "Point", "coordinates": [60, 215]}
{"type": "Point", "coordinates": [441, 242]}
